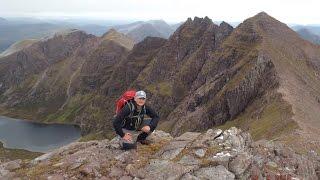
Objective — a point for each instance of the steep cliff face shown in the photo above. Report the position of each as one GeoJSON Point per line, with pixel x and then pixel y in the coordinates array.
{"type": "Point", "coordinates": [230, 79]}
{"type": "Point", "coordinates": [23, 72]}
{"type": "Point", "coordinates": [214, 154]}
{"type": "Point", "coordinates": [170, 74]}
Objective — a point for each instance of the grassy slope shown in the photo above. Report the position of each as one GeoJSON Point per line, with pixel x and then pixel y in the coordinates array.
{"type": "Point", "coordinates": [12, 154]}
{"type": "Point", "coordinates": [18, 46]}
{"type": "Point", "coordinates": [267, 117]}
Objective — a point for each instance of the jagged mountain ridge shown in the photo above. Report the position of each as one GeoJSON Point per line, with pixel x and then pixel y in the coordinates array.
{"type": "Point", "coordinates": [204, 75]}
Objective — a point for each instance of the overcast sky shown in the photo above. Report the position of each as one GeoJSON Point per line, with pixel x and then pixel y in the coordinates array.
{"type": "Point", "coordinates": [288, 11]}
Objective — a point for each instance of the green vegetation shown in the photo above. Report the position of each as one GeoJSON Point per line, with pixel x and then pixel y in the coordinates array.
{"type": "Point", "coordinates": [13, 154]}
{"type": "Point", "coordinates": [35, 172]}
{"type": "Point", "coordinates": [93, 136]}
{"type": "Point", "coordinates": [18, 46]}
{"type": "Point", "coordinates": [268, 117]}
{"type": "Point", "coordinates": [163, 88]}
{"type": "Point", "coordinates": [74, 106]}
{"type": "Point", "coordinates": [27, 84]}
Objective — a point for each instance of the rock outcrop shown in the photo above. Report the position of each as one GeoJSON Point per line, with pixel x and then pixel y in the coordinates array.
{"type": "Point", "coordinates": [214, 154]}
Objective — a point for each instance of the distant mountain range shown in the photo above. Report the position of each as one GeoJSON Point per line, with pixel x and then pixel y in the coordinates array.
{"type": "Point", "coordinates": [13, 31]}
{"type": "Point", "coordinates": [140, 30]}
{"type": "Point", "coordinates": [315, 29]}
{"type": "Point", "coordinates": [310, 33]}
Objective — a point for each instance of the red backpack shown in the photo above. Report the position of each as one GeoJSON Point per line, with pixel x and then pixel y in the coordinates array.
{"type": "Point", "coordinates": [126, 96]}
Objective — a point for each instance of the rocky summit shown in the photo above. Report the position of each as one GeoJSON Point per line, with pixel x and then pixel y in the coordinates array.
{"type": "Point", "coordinates": [260, 76]}
{"type": "Point", "coordinates": [214, 154]}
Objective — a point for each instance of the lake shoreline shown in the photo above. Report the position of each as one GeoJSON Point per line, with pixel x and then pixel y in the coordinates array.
{"type": "Point", "coordinates": [10, 154]}
{"type": "Point", "coordinates": [36, 136]}
{"type": "Point", "coordinates": [19, 117]}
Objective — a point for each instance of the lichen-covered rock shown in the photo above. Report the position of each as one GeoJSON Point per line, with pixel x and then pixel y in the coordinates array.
{"type": "Point", "coordinates": [214, 154]}
{"type": "Point", "coordinates": [217, 172]}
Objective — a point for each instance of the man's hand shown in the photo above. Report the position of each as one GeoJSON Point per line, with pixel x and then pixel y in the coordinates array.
{"type": "Point", "coordinates": [146, 129]}
{"type": "Point", "coordinates": [127, 137]}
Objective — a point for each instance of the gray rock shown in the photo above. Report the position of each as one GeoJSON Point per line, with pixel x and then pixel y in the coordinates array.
{"type": "Point", "coordinates": [189, 160]}
{"type": "Point", "coordinates": [189, 176]}
{"type": "Point", "coordinates": [75, 165]}
{"type": "Point", "coordinates": [116, 172]}
{"type": "Point", "coordinates": [126, 178]}
{"type": "Point", "coordinates": [217, 172]}
{"type": "Point", "coordinates": [56, 177]}
{"type": "Point", "coordinates": [42, 158]}
{"type": "Point", "coordinates": [233, 156]}
{"type": "Point", "coordinates": [214, 133]}
{"type": "Point", "coordinates": [171, 154]}
{"type": "Point", "coordinates": [171, 150]}
{"type": "Point", "coordinates": [200, 153]}
{"type": "Point", "coordinates": [123, 156]}
{"type": "Point", "coordinates": [188, 136]}
{"type": "Point", "coordinates": [165, 169]}
{"type": "Point", "coordinates": [240, 163]}
{"type": "Point", "coordinates": [221, 158]}
{"type": "Point", "coordinates": [12, 165]}
{"type": "Point", "coordinates": [159, 135]}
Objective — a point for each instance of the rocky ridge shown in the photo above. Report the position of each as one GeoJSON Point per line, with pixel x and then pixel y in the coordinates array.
{"type": "Point", "coordinates": [214, 154]}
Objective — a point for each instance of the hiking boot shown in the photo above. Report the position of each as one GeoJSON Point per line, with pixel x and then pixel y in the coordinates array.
{"type": "Point", "coordinates": [128, 146]}
{"type": "Point", "coordinates": [145, 142]}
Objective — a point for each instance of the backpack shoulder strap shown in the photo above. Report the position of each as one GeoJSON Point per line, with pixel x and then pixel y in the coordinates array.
{"type": "Point", "coordinates": [131, 107]}
{"type": "Point", "coordinates": [144, 110]}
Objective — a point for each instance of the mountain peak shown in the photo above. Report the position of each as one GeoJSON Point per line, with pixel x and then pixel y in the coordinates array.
{"type": "Point", "coordinates": [110, 32]}
{"type": "Point", "coordinates": [202, 20]}
{"type": "Point", "coordinates": [263, 16]}
{"type": "Point", "coordinates": [119, 38]}
{"type": "Point", "coordinates": [225, 25]}
{"type": "Point", "coordinates": [198, 20]}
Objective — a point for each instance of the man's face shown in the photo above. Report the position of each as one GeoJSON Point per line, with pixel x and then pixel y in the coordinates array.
{"type": "Point", "coordinates": [140, 101]}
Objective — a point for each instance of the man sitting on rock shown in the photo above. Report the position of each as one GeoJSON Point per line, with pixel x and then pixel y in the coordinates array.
{"type": "Point", "coordinates": [130, 124]}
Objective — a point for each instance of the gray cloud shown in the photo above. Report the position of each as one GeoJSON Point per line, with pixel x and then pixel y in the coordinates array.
{"type": "Point", "coordinates": [171, 10]}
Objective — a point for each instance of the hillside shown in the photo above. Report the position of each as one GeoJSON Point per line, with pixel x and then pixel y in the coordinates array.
{"type": "Point", "coordinates": [18, 46]}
